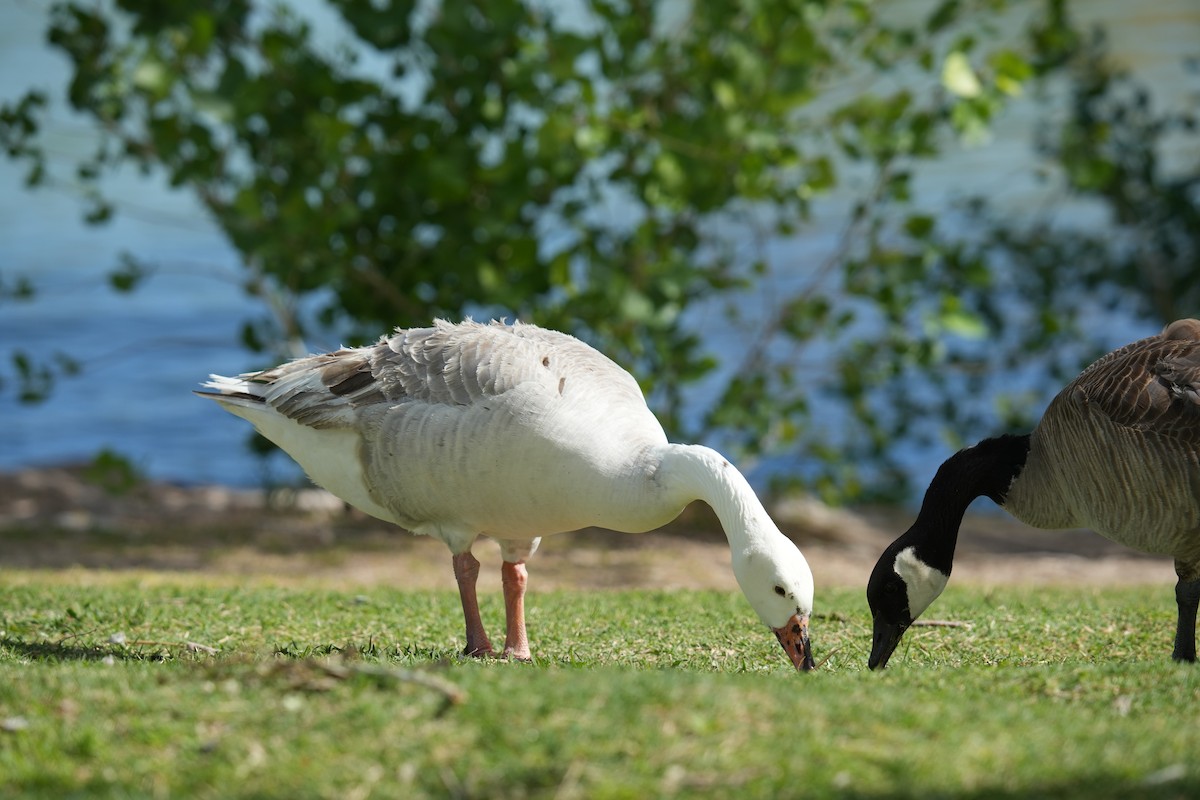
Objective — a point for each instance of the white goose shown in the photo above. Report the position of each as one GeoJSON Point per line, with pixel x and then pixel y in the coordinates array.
{"type": "Point", "coordinates": [514, 432]}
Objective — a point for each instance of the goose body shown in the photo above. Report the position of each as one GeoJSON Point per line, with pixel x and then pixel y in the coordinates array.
{"type": "Point", "coordinates": [1117, 451]}
{"type": "Point", "coordinates": [514, 432]}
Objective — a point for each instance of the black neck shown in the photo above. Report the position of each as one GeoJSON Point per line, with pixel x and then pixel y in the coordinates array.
{"type": "Point", "coordinates": [987, 469]}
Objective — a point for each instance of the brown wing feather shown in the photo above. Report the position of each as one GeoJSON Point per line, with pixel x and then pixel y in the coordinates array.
{"type": "Point", "coordinates": [1151, 385]}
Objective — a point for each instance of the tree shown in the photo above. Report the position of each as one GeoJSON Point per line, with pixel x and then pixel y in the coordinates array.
{"type": "Point", "coordinates": [603, 173]}
{"type": "Point", "coordinates": [1135, 257]}
{"type": "Point", "coordinates": [1111, 151]}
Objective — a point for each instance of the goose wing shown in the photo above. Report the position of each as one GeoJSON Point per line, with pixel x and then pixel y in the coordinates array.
{"type": "Point", "coordinates": [1152, 385]}
{"type": "Point", "coordinates": [455, 365]}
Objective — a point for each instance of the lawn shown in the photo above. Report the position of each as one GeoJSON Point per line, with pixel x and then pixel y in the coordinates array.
{"type": "Point", "coordinates": [161, 686]}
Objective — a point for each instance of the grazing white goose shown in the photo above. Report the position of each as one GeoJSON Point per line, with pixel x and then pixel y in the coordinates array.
{"type": "Point", "coordinates": [1117, 451]}
{"type": "Point", "coordinates": [514, 432]}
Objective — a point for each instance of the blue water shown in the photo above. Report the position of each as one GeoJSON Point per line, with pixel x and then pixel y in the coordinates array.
{"type": "Point", "coordinates": [141, 358]}
{"type": "Point", "coordinates": [141, 354]}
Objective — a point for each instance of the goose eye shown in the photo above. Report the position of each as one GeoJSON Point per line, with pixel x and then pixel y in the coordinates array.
{"type": "Point", "coordinates": [779, 591]}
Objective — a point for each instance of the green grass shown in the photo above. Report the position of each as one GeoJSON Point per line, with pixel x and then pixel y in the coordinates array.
{"type": "Point", "coordinates": [1056, 693]}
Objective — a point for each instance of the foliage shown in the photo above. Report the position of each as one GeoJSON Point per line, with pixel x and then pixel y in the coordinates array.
{"type": "Point", "coordinates": [1118, 240]}
{"type": "Point", "coordinates": [1115, 149]}
{"type": "Point", "coordinates": [1047, 693]}
{"type": "Point", "coordinates": [112, 472]}
{"type": "Point", "coordinates": [613, 174]}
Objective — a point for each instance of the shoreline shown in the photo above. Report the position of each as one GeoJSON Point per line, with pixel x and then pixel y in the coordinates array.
{"type": "Point", "coordinates": [55, 519]}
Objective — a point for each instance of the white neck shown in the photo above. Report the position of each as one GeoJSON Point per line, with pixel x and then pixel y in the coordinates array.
{"type": "Point", "coordinates": [769, 568]}
{"type": "Point", "coordinates": [693, 472]}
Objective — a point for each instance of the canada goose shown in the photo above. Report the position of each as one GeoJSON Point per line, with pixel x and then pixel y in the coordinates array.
{"type": "Point", "coordinates": [514, 432]}
{"type": "Point", "coordinates": [1117, 451]}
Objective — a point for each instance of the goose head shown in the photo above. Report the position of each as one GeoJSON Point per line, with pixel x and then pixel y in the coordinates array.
{"type": "Point", "coordinates": [902, 586]}
{"type": "Point", "coordinates": [779, 585]}
{"type": "Point", "coordinates": [915, 568]}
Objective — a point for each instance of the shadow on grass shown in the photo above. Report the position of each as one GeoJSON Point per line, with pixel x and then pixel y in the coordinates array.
{"type": "Point", "coordinates": [371, 651]}
{"type": "Point", "coordinates": [1100, 787]}
{"type": "Point", "coordinates": [62, 651]}
{"type": "Point", "coordinates": [546, 783]}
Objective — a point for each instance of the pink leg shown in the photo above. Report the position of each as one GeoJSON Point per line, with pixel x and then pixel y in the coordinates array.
{"type": "Point", "coordinates": [514, 576]}
{"type": "Point", "coordinates": [466, 571]}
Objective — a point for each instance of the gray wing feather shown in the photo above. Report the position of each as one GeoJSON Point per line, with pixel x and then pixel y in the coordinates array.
{"type": "Point", "coordinates": [447, 364]}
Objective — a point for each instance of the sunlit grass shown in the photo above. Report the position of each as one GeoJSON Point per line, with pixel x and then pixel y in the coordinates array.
{"type": "Point", "coordinates": [110, 689]}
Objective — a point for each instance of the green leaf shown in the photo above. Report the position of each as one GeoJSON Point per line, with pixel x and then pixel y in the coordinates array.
{"type": "Point", "coordinates": [128, 274]}
{"type": "Point", "coordinates": [943, 16]}
{"type": "Point", "coordinates": [152, 77]}
{"type": "Point", "coordinates": [724, 94]}
{"type": "Point", "coordinates": [1012, 70]}
{"type": "Point", "coordinates": [919, 226]}
{"type": "Point", "coordinates": [958, 77]}
{"type": "Point", "coordinates": [112, 472]}
{"type": "Point", "coordinates": [962, 323]}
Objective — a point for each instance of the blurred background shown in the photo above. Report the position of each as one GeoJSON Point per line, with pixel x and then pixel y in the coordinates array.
{"type": "Point", "coordinates": [836, 240]}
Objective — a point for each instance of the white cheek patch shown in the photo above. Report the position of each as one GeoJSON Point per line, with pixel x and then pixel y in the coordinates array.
{"type": "Point", "coordinates": [923, 581]}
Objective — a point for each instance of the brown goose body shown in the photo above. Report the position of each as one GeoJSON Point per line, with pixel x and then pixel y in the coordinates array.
{"type": "Point", "coordinates": [1117, 451]}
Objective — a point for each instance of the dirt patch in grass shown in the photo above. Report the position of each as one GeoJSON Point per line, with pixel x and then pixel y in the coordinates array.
{"type": "Point", "coordinates": [56, 519]}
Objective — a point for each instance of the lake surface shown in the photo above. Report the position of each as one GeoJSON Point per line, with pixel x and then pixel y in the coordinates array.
{"type": "Point", "coordinates": [144, 353]}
